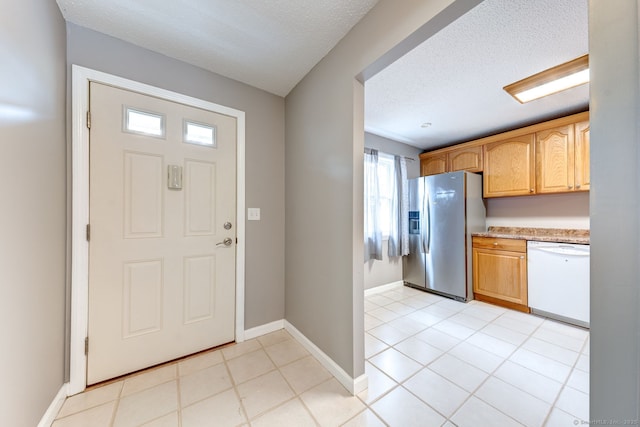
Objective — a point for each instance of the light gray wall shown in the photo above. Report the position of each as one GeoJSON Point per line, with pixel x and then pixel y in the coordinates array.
{"type": "Point", "coordinates": [615, 213]}
{"type": "Point", "coordinates": [382, 272]}
{"type": "Point", "coordinates": [324, 183]}
{"type": "Point", "coordinates": [389, 270]}
{"type": "Point", "coordinates": [570, 210]}
{"type": "Point", "coordinates": [390, 146]}
{"type": "Point", "coordinates": [264, 299]}
{"type": "Point", "coordinates": [33, 214]}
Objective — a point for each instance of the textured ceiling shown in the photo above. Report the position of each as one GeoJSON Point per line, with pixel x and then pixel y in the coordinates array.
{"type": "Point", "coordinates": [454, 80]}
{"type": "Point", "coordinates": [271, 44]}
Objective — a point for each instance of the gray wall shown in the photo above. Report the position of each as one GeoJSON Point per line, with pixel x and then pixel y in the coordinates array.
{"type": "Point", "coordinates": [316, 297]}
{"type": "Point", "coordinates": [33, 214]}
{"type": "Point", "coordinates": [615, 202]}
{"type": "Point", "coordinates": [390, 146]}
{"type": "Point", "coordinates": [569, 210]}
{"type": "Point", "coordinates": [324, 183]}
{"type": "Point", "coordinates": [264, 299]}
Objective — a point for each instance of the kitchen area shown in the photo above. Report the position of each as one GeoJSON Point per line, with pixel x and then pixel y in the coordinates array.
{"type": "Point", "coordinates": [489, 322]}
{"type": "Point", "coordinates": [544, 270]}
{"type": "Point", "coordinates": [458, 103]}
{"type": "Point", "coordinates": [490, 308]}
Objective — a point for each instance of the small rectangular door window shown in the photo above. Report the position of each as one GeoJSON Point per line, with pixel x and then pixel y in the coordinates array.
{"type": "Point", "coordinates": [144, 122]}
{"type": "Point", "coordinates": [199, 134]}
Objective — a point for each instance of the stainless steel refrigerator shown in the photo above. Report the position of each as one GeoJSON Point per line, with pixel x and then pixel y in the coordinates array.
{"type": "Point", "coordinates": [443, 212]}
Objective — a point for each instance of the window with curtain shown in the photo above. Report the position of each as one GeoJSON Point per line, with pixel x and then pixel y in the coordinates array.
{"type": "Point", "coordinates": [385, 205]}
{"type": "Point", "coordinates": [372, 231]}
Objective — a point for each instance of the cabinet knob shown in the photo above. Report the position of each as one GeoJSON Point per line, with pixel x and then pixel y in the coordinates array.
{"type": "Point", "coordinates": [522, 257]}
{"type": "Point", "coordinates": [531, 190]}
{"type": "Point", "coordinates": [570, 187]}
{"type": "Point", "coordinates": [578, 186]}
{"type": "Point", "coordinates": [495, 243]}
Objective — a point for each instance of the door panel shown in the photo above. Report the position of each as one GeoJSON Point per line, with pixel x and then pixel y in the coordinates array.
{"type": "Point", "coordinates": [142, 298]}
{"type": "Point", "coordinates": [199, 288]}
{"type": "Point", "coordinates": [159, 285]}
{"type": "Point", "coordinates": [446, 258]}
{"type": "Point", "coordinates": [583, 172]}
{"type": "Point", "coordinates": [555, 160]}
{"type": "Point", "coordinates": [200, 185]}
{"type": "Point", "coordinates": [509, 167]}
{"type": "Point", "coordinates": [143, 205]}
{"type": "Point", "coordinates": [413, 264]}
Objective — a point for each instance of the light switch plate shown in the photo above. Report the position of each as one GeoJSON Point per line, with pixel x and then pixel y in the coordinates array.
{"type": "Point", "coordinates": [253, 214]}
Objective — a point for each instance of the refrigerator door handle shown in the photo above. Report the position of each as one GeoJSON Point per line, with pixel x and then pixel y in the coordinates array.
{"type": "Point", "coordinates": [425, 233]}
{"type": "Point", "coordinates": [428, 224]}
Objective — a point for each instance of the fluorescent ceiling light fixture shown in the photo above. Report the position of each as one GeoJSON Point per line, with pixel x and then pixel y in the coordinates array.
{"type": "Point", "coordinates": [547, 82]}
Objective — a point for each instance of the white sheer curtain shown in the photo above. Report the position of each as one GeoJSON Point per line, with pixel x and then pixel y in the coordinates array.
{"type": "Point", "coordinates": [399, 231]}
{"type": "Point", "coordinates": [372, 232]}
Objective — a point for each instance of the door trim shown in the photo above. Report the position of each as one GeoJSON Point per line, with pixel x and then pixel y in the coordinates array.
{"type": "Point", "coordinates": [80, 78]}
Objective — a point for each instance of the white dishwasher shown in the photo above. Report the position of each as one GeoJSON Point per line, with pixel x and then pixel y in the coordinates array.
{"type": "Point", "coordinates": [558, 281]}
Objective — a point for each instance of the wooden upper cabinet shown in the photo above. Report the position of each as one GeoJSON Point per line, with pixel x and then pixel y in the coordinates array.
{"type": "Point", "coordinates": [555, 160]}
{"type": "Point", "coordinates": [582, 150]}
{"type": "Point", "coordinates": [544, 158]}
{"type": "Point", "coordinates": [447, 160]}
{"type": "Point", "coordinates": [433, 164]}
{"type": "Point", "coordinates": [468, 159]}
{"type": "Point", "coordinates": [509, 167]}
{"type": "Point", "coordinates": [562, 159]}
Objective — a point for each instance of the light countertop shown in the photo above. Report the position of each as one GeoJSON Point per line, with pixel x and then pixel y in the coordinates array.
{"type": "Point", "coordinates": [559, 235]}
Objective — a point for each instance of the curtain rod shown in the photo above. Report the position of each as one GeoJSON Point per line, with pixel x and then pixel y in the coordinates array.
{"type": "Point", "coordinates": [368, 151]}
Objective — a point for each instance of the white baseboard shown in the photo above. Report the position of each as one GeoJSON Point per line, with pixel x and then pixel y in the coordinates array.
{"type": "Point", "coordinates": [354, 385]}
{"type": "Point", "coordinates": [53, 409]}
{"type": "Point", "coordinates": [383, 288]}
{"type": "Point", "coordinates": [263, 329]}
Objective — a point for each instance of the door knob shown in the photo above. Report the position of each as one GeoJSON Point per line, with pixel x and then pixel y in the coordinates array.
{"type": "Point", "coordinates": [226, 242]}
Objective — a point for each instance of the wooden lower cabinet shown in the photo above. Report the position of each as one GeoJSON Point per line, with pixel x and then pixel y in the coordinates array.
{"type": "Point", "coordinates": [500, 272]}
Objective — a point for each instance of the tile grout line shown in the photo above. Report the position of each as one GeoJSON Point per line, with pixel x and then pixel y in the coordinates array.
{"type": "Point", "coordinates": [179, 391]}
{"type": "Point", "coordinates": [565, 385]}
{"type": "Point", "coordinates": [234, 385]}
{"type": "Point", "coordinates": [295, 394]}
{"type": "Point", "coordinates": [117, 405]}
{"type": "Point", "coordinates": [401, 384]}
{"type": "Point", "coordinates": [423, 367]}
{"type": "Point", "coordinates": [491, 374]}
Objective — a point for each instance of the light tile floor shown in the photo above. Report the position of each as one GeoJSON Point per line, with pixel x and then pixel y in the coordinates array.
{"type": "Point", "coordinates": [430, 361]}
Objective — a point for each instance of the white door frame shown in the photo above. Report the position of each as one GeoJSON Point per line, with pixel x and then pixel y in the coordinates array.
{"type": "Point", "coordinates": [81, 77]}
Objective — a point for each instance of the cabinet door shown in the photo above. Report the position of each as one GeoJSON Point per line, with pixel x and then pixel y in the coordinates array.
{"type": "Point", "coordinates": [509, 168]}
{"type": "Point", "coordinates": [501, 275]}
{"type": "Point", "coordinates": [582, 153]}
{"type": "Point", "coordinates": [469, 159]}
{"type": "Point", "coordinates": [555, 160]}
{"type": "Point", "coordinates": [433, 164]}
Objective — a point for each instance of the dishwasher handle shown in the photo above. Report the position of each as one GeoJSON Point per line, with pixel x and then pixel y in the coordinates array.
{"type": "Point", "coordinates": [562, 250]}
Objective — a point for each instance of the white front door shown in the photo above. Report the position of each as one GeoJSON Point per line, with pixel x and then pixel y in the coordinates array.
{"type": "Point", "coordinates": [162, 202]}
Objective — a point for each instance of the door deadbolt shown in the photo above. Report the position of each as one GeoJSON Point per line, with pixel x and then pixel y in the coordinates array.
{"type": "Point", "coordinates": [227, 225]}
